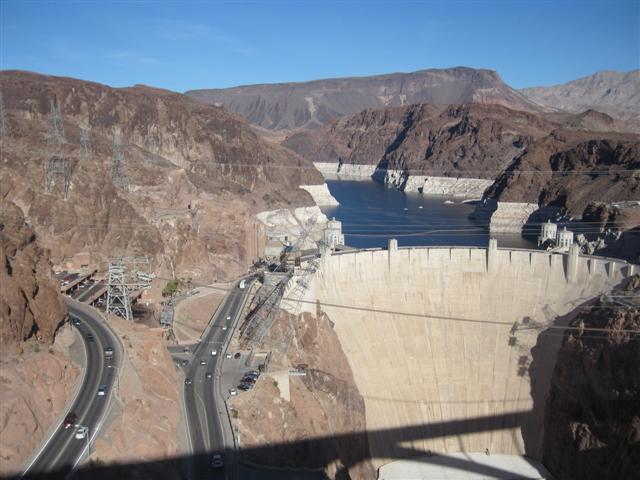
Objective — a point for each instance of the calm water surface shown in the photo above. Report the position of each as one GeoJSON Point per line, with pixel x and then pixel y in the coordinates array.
{"type": "Point", "coordinates": [372, 213]}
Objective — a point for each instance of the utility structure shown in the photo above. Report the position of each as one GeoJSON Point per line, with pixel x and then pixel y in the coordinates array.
{"type": "Point", "coordinates": [118, 163]}
{"type": "Point", "coordinates": [125, 281]}
{"type": "Point", "coordinates": [85, 143]}
{"type": "Point", "coordinates": [57, 168]}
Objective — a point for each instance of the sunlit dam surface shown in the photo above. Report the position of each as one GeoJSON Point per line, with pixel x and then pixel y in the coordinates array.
{"type": "Point", "coordinates": [372, 213]}
{"type": "Point", "coordinates": [455, 345]}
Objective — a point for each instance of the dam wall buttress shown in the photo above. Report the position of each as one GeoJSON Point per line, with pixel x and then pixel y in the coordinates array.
{"type": "Point", "coordinates": [452, 348]}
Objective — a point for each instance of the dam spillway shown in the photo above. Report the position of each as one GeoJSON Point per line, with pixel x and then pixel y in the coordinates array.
{"type": "Point", "coordinates": [453, 349]}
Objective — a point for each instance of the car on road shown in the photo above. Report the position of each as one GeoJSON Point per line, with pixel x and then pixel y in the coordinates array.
{"type": "Point", "coordinates": [228, 317]}
{"type": "Point", "coordinates": [184, 363]}
{"type": "Point", "coordinates": [209, 375]}
{"type": "Point", "coordinates": [224, 328]}
{"type": "Point", "coordinates": [90, 337]}
{"type": "Point", "coordinates": [76, 322]}
{"type": "Point", "coordinates": [108, 352]}
{"type": "Point", "coordinates": [233, 392]}
{"type": "Point", "coordinates": [203, 362]}
{"type": "Point", "coordinates": [188, 381]}
{"type": "Point", "coordinates": [185, 349]}
{"type": "Point", "coordinates": [81, 433]}
{"type": "Point", "coordinates": [214, 353]}
{"type": "Point", "coordinates": [70, 420]}
{"type": "Point", "coordinates": [102, 390]}
{"type": "Point", "coordinates": [216, 461]}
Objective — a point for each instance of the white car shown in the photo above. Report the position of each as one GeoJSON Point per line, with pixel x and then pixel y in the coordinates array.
{"type": "Point", "coordinates": [233, 392]}
{"type": "Point", "coordinates": [81, 433]}
{"type": "Point", "coordinates": [224, 327]}
{"type": "Point", "coordinates": [214, 353]}
{"type": "Point", "coordinates": [228, 355]}
{"type": "Point", "coordinates": [228, 317]}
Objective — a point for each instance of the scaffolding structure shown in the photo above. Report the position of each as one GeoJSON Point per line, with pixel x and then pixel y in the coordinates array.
{"type": "Point", "coordinates": [118, 163]}
{"type": "Point", "coordinates": [125, 279]}
{"type": "Point", "coordinates": [57, 168]}
{"type": "Point", "coordinates": [85, 143]}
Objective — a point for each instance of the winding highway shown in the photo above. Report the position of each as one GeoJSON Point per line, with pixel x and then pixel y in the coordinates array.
{"type": "Point", "coordinates": [206, 412]}
{"type": "Point", "coordinates": [62, 451]}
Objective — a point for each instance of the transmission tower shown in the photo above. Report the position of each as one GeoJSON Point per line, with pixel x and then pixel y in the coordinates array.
{"type": "Point", "coordinates": [85, 143]}
{"type": "Point", "coordinates": [118, 292]}
{"type": "Point", "coordinates": [57, 169]}
{"type": "Point", "coordinates": [118, 164]}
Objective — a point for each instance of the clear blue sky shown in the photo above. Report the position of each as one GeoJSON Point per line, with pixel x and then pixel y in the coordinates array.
{"type": "Point", "coordinates": [198, 44]}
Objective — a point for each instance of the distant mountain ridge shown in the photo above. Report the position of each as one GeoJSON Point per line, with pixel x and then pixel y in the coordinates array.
{"type": "Point", "coordinates": [311, 104]}
{"type": "Point", "coordinates": [614, 93]}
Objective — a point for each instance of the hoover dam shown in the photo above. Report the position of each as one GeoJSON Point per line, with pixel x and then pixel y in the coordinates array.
{"type": "Point", "coordinates": [452, 348]}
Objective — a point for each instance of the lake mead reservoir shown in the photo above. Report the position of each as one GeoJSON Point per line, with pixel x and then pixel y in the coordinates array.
{"type": "Point", "coordinates": [372, 213]}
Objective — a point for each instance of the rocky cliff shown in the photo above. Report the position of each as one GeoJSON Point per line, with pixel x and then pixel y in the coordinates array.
{"type": "Point", "coordinates": [30, 303]}
{"type": "Point", "coordinates": [457, 140]}
{"type": "Point", "coordinates": [189, 177]}
{"type": "Point", "coordinates": [315, 103]}
{"type": "Point", "coordinates": [569, 169]}
{"type": "Point", "coordinates": [592, 416]}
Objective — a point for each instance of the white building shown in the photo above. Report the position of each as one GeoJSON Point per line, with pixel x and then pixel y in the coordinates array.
{"type": "Point", "coordinates": [548, 231]}
{"type": "Point", "coordinates": [333, 233]}
{"type": "Point", "coordinates": [564, 238]}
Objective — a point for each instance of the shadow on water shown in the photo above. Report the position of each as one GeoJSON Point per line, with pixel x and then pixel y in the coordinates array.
{"type": "Point", "coordinates": [324, 450]}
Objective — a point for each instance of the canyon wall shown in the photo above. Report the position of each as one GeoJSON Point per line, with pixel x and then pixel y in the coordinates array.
{"type": "Point", "coordinates": [441, 341]}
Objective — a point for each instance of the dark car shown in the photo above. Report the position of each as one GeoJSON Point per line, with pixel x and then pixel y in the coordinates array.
{"type": "Point", "coordinates": [237, 355]}
{"type": "Point", "coordinates": [70, 420]}
{"type": "Point", "coordinates": [188, 381]}
{"type": "Point", "coordinates": [245, 386]}
{"type": "Point", "coordinates": [216, 461]}
{"type": "Point", "coordinates": [248, 380]}
{"type": "Point", "coordinates": [90, 337]}
{"type": "Point", "coordinates": [76, 322]}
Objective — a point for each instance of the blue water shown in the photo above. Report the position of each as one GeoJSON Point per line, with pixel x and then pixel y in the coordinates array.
{"type": "Point", "coordinates": [372, 213]}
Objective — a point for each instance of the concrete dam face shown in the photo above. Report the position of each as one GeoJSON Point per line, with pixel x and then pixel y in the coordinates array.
{"type": "Point", "coordinates": [452, 349]}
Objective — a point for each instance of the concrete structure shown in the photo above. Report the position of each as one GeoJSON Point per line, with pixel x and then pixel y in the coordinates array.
{"type": "Point", "coordinates": [441, 340]}
{"type": "Point", "coordinates": [548, 231]}
{"type": "Point", "coordinates": [321, 195]}
{"type": "Point", "coordinates": [274, 248]}
{"type": "Point", "coordinates": [564, 238]}
{"type": "Point", "coordinates": [333, 233]}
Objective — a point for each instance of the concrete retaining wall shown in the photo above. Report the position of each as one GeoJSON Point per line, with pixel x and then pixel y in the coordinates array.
{"type": "Point", "coordinates": [443, 337]}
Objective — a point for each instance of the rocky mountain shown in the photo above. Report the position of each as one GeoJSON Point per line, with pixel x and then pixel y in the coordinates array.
{"type": "Point", "coordinates": [570, 169]}
{"type": "Point", "coordinates": [473, 140]}
{"type": "Point", "coordinates": [614, 93]}
{"type": "Point", "coordinates": [30, 303]}
{"type": "Point", "coordinates": [311, 104]}
{"type": "Point", "coordinates": [150, 172]}
{"type": "Point", "coordinates": [592, 418]}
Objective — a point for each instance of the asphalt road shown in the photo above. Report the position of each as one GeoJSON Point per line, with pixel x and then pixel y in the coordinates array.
{"type": "Point", "coordinates": [205, 410]}
{"type": "Point", "coordinates": [63, 451]}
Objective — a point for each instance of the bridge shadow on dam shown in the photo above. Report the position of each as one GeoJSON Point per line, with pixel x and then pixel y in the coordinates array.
{"type": "Point", "coordinates": [345, 450]}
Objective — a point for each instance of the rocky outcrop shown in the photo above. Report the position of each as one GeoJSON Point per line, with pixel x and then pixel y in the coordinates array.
{"type": "Point", "coordinates": [30, 301]}
{"type": "Point", "coordinates": [197, 174]}
{"type": "Point", "coordinates": [615, 93]}
{"type": "Point", "coordinates": [321, 195]}
{"type": "Point", "coordinates": [302, 227]}
{"type": "Point", "coordinates": [312, 104]}
{"type": "Point", "coordinates": [592, 415]}
{"type": "Point", "coordinates": [311, 421]}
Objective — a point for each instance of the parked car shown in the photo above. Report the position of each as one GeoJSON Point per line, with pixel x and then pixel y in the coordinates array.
{"type": "Point", "coordinates": [70, 420]}
{"type": "Point", "coordinates": [81, 432]}
{"type": "Point", "coordinates": [233, 392]}
{"type": "Point", "coordinates": [237, 355]}
{"type": "Point", "coordinates": [228, 355]}
{"type": "Point", "coordinates": [249, 380]}
{"type": "Point", "coordinates": [245, 386]}
{"type": "Point", "coordinates": [216, 461]}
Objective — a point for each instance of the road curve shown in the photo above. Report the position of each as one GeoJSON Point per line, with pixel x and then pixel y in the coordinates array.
{"type": "Point", "coordinates": [205, 409]}
{"type": "Point", "coordinates": [62, 451]}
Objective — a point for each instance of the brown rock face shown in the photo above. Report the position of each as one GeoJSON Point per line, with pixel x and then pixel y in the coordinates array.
{"type": "Point", "coordinates": [299, 431]}
{"type": "Point", "coordinates": [458, 140]}
{"type": "Point", "coordinates": [570, 169]}
{"type": "Point", "coordinates": [30, 303]}
{"type": "Point", "coordinates": [592, 417]}
{"type": "Point", "coordinates": [196, 174]}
